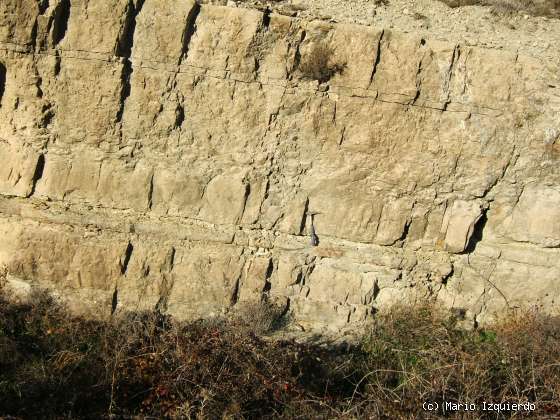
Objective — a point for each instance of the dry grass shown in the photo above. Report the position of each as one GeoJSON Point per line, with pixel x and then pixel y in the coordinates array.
{"type": "Point", "coordinates": [548, 8]}
{"type": "Point", "coordinates": [380, 3]}
{"type": "Point", "coordinates": [318, 64]}
{"type": "Point", "coordinates": [421, 355]}
{"type": "Point", "coordinates": [145, 364]}
{"type": "Point", "coordinates": [261, 317]}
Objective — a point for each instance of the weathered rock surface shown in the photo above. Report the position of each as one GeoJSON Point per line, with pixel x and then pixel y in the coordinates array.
{"type": "Point", "coordinates": [176, 154]}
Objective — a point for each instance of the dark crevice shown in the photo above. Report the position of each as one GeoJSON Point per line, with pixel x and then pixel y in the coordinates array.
{"type": "Point", "coordinates": [43, 6]}
{"type": "Point", "coordinates": [297, 58]}
{"type": "Point", "coordinates": [257, 66]}
{"type": "Point", "coordinates": [165, 290]}
{"type": "Point", "coordinates": [418, 81]}
{"type": "Point", "coordinates": [416, 96]}
{"type": "Point", "coordinates": [304, 217]}
{"type": "Point", "coordinates": [38, 174]}
{"type": "Point", "coordinates": [190, 29]}
{"type": "Point", "coordinates": [126, 39]}
{"type": "Point", "coordinates": [454, 59]}
{"type": "Point", "coordinates": [3, 73]}
{"type": "Point", "coordinates": [114, 301]}
{"type": "Point", "coordinates": [47, 115]}
{"type": "Point", "coordinates": [299, 278]}
{"type": "Point", "coordinates": [125, 89]}
{"type": "Point", "coordinates": [266, 18]}
{"type": "Point", "coordinates": [269, 271]}
{"type": "Point", "coordinates": [445, 278]}
{"type": "Point", "coordinates": [57, 64]}
{"type": "Point", "coordinates": [285, 311]}
{"type": "Point", "coordinates": [297, 54]}
{"type": "Point", "coordinates": [34, 31]}
{"type": "Point", "coordinates": [309, 270]}
{"type": "Point", "coordinates": [314, 238]}
{"type": "Point", "coordinates": [405, 231]}
{"type": "Point", "coordinates": [377, 58]}
{"type": "Point", "coordinates": [127, 256]}
{"type": "Point", "coordinates": [170, 259]}
{"type": "Point", "coordinates": [375, 291]}
{"type": "Point", "coordinates": [179, 116]}
{"type": "Point", "coordinates": [235, 293]}
{"type": "Point", "coordinates": [475, 323]}
{"type": "Point", "coordinates": [245, 199]}
{"type": "Point", "coordinates": [151, 192]}
{"type": "Point", "coordinates": [39, 43]}
{"type": "Point", "coordinates": [39, 85]}
{"type": "Point", "coordinates": [61, 16]}
{"type": "Point", "coordinates": [477, 234]}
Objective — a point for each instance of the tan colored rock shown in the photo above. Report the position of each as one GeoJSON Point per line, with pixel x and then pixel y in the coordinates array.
{"type": "Point", "coordinates": [66, 259]}
{"type": "Point", "coordinates": [107, 21]}
{"type": "Point", "coordinates": [87, 97]}
{"type": "Point", "coordinates": [355, 49]}
{"type": "Point", "coordinates": [18, 168]}
{"type": "Point", "coordinates": [394, 218]}
{"type": "Point", "coordinates": [345, 214]}
{"type": "Point", "coordinates": [176, 193]}
{"type": "Point", "coordinates": [289, 272]}
{"type": "Point", "coordinates": [223, 40]}
{"type": "Point", "coordinates": [177, 154]}
{"type": "Point", "coordinates": [110, 183]}
{"type": "Point", "coordinates": [458, 224]}
{"type": "Point", "coordinates": [148, 281]}
{"type": "Point", "coordinates": [155, 36]}
{"type": "Point", "coordinates": [253, 283]}
{"type": "Point", "coordinates": [536, 217]}
{"type": "Point", "coordinates": [405, 53]}
{"type": "Point", "coordinates": [329, 283]}
{"type": "Point", "coordinates": [16, 21]}
{"type": "Point", "coordinates": [276, 49]}
{"type": "Point", "coordinates": [206, 280]}
{"type": "Point", "coordinates": [224, 198]}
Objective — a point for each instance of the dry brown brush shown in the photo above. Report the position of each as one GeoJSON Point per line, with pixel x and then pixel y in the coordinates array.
{"type": "Point", "coordinates": [319, 63]}
{"type": "Point", "coordinates": [147, 365]}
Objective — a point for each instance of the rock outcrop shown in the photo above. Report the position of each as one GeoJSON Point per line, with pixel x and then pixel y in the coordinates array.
{"type": "Point", "coordinates": [173, 154]}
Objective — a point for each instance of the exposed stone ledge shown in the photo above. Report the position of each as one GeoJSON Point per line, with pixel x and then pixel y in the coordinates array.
{"type": "Point", "coordinates": [176, 153]}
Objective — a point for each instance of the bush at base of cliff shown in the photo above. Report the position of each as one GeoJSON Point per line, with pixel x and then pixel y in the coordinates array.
{"type": "Point", "coordinates": [146, 364]}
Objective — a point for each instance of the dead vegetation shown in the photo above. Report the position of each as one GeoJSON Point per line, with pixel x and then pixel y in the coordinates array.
{"type": "Point", "coordinates": [261, 317]}
{"type": "Point", "coordinates": [319, 64]}
{"type": "Point", "coordinates": [147, 365]}
{"type": "Point", "coordinates": [547, 8]}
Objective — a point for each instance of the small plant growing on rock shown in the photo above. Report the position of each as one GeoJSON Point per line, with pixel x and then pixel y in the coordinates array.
{"type": "Point", "coordinates": [319, 65]}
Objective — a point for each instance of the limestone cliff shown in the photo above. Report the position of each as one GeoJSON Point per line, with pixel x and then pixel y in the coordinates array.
{"type": "Point", "coordinates": [174, 154]}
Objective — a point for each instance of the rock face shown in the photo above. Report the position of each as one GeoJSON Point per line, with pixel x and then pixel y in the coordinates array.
{"type": "Point", "coordinates": [175, 153]}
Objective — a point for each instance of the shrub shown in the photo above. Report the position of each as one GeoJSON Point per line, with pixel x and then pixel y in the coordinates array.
{"type": "Point", "coordinates": [419, 354]}
{"type": "Point", "coordinates": [261, 317]}
{"type": "Point", "coordinates": [146, 364]}
{"type": "Point", "coordinates": [379, 3]}
{"type": "Point", "coordinates": [318, 64]}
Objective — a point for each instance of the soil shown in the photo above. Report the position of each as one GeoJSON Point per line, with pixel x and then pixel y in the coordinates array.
{"type": "Point", "coordinates": [483, 26]}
